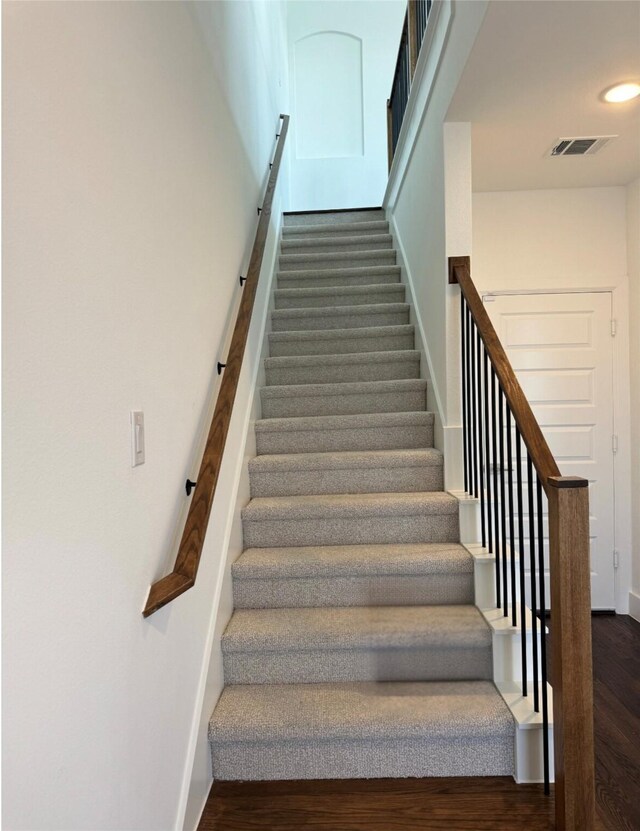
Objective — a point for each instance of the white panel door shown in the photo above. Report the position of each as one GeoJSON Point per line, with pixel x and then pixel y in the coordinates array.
{"type": "Point", "coordinates": [561, 349]}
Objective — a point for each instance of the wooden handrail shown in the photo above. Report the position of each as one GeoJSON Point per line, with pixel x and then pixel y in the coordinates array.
{"type": "Point", "coordinates": [183, 575]}
{"type": "Point", "coordinates": [545, 464]}
{"type": "Point", "coordinates": [570, 584]}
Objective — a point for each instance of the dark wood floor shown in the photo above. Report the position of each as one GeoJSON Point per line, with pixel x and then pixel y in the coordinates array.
{"type": "Point", "coordinates": [495, 804]}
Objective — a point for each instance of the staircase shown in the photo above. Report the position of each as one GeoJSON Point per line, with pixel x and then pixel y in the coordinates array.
{"type": "Point", "coordinates": [355, 649]}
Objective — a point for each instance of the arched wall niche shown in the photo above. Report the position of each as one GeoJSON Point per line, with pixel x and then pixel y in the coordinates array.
{"type": "Point", "coordinates": [328, 90]}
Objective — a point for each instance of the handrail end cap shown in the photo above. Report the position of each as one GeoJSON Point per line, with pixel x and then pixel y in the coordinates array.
{"type": "Point", "coordinates": [568, 482]}
{"type": "Point", "coordinates": [457, 262]}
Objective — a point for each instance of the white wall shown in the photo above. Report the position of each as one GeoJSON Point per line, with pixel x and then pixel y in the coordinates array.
{"type": "Point", "coordinates": [550, 238]}
{"type": "Point", "coordinates": [633, 261]}
{"type": "Point", "coordinates": [342, 57]}
{"type": "Point", "coordinates": [562, 240]}
{"type": "Point", "coordinates": [129, 211]}
{"type": "Point", "coordinates": [247, 44]}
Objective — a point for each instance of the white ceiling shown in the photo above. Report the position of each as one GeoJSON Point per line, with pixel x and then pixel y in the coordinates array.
{"type": "Point", "coordinates": [535, 74]}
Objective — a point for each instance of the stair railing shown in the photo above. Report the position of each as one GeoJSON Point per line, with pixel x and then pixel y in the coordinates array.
{"type": "Point", "coordinates": [185, 569]}
{"type": "Point", "coordinates": [415, 24]}
{"type": "Point", "coordinates": [509, 467]}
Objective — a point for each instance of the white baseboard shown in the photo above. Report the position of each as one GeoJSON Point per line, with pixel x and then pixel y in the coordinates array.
{"type": "Point", "coordinates": [434, 400]}
{"type": "Point", "coordinates": [507, 651]}
{"type": "Point", "coordinates": [507, 671]}
{"type": "Point", "coordinates": [453, 470]}
{"type": "Point", "coordinates": [529, 753]}
{"type": "Point", "coordinates": [198, 777]}
{"type": "Point", "coordinates": [634, 605]}
{"type": "Point", "coordinates": [469, 508]}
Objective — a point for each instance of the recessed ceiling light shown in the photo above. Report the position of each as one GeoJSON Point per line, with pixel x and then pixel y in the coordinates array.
{"type": "Point", "coordinates": [621, 92]}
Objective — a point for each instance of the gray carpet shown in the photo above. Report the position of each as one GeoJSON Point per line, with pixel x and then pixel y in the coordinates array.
{"type": "Point", "coordinates": [355, 648]}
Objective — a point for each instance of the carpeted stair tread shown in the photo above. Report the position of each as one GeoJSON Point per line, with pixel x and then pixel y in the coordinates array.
{"type": "Point", "coordinates": [347, 259]}
{"type": "Point", "coordinates": [376, 226]}
{"type": "Point", "coordinates": [369, 431]}
{"type": "Point", "coordinates": [350, 505]}
{"type": "Point", "coordinates": [424, 574]}
{"type": "Point", "coordinates": [337, 244]}
{"type": "Point", "coordinates": [353, 560]}
{"type": "Point", "coordinates": [298, 298]}
{"type": "Point", "coordinates": [319, 277]}
{"type": "Point", "coordinates": [340, 317]}
{"type": "Point", "coordinates": [340, 341]}
{"type": "Point", "coordinates": [361, 730]}
{"type": "Point", "coordinates": [390, 365]}
{"type": "Point", "coordinates": [381, 627]}
{"type": "Point", "coordinates": [356, 643]}
{"type": "Point", "coordinates": [365, 710]}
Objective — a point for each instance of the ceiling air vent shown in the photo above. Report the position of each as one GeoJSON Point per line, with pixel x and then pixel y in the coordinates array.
{"type": "Point", "coordinates": [579, 146]}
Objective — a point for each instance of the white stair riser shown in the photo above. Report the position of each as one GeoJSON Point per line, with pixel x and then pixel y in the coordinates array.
{"type": "Point", "coordinates": [529, 756]}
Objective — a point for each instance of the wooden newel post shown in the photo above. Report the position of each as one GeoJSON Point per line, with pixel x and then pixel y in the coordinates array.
{"type": "Point", "coordinates": [570, 570]}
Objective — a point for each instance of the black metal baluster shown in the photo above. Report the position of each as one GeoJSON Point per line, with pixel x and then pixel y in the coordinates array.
{"type": "Point", "coordinates": [406, 68]}
{"type": "Point", "coordinates": [532, 566]}
{"type": "Point", "coordinates": [465, 437]}
{"type": "Point", "coordinates": [543, 638]}
{"type": "Point", "coordinates": [403, 81]}
{"type": "Point", "coordinates": [512, 541]}
{"type": "Point", "coordinates": [503, 513]}
{"type": "Point", "coordinates": [468, 413]}
{"type": "Point", "coordinates": [400, 107]}
{"type": "Point", "coordinates": [419, 23]}
{"type": "Point", "coordinates": [523, 619]}
{"type": "Point", "coordinates": [483, 518]}
{"type": "Point", "coordinates": [487, 446]}
{"type": "Point", "coordinates": [494, 445]}
{"type": "Point", "coordinates": [474, 409]}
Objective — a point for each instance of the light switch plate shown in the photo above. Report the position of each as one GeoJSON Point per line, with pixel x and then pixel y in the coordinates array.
{"type": "Point", "coordinates": [137, 438]}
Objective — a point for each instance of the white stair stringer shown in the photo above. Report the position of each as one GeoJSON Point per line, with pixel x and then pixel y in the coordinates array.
{"type": "Point", "coordinates": [507, 651]}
